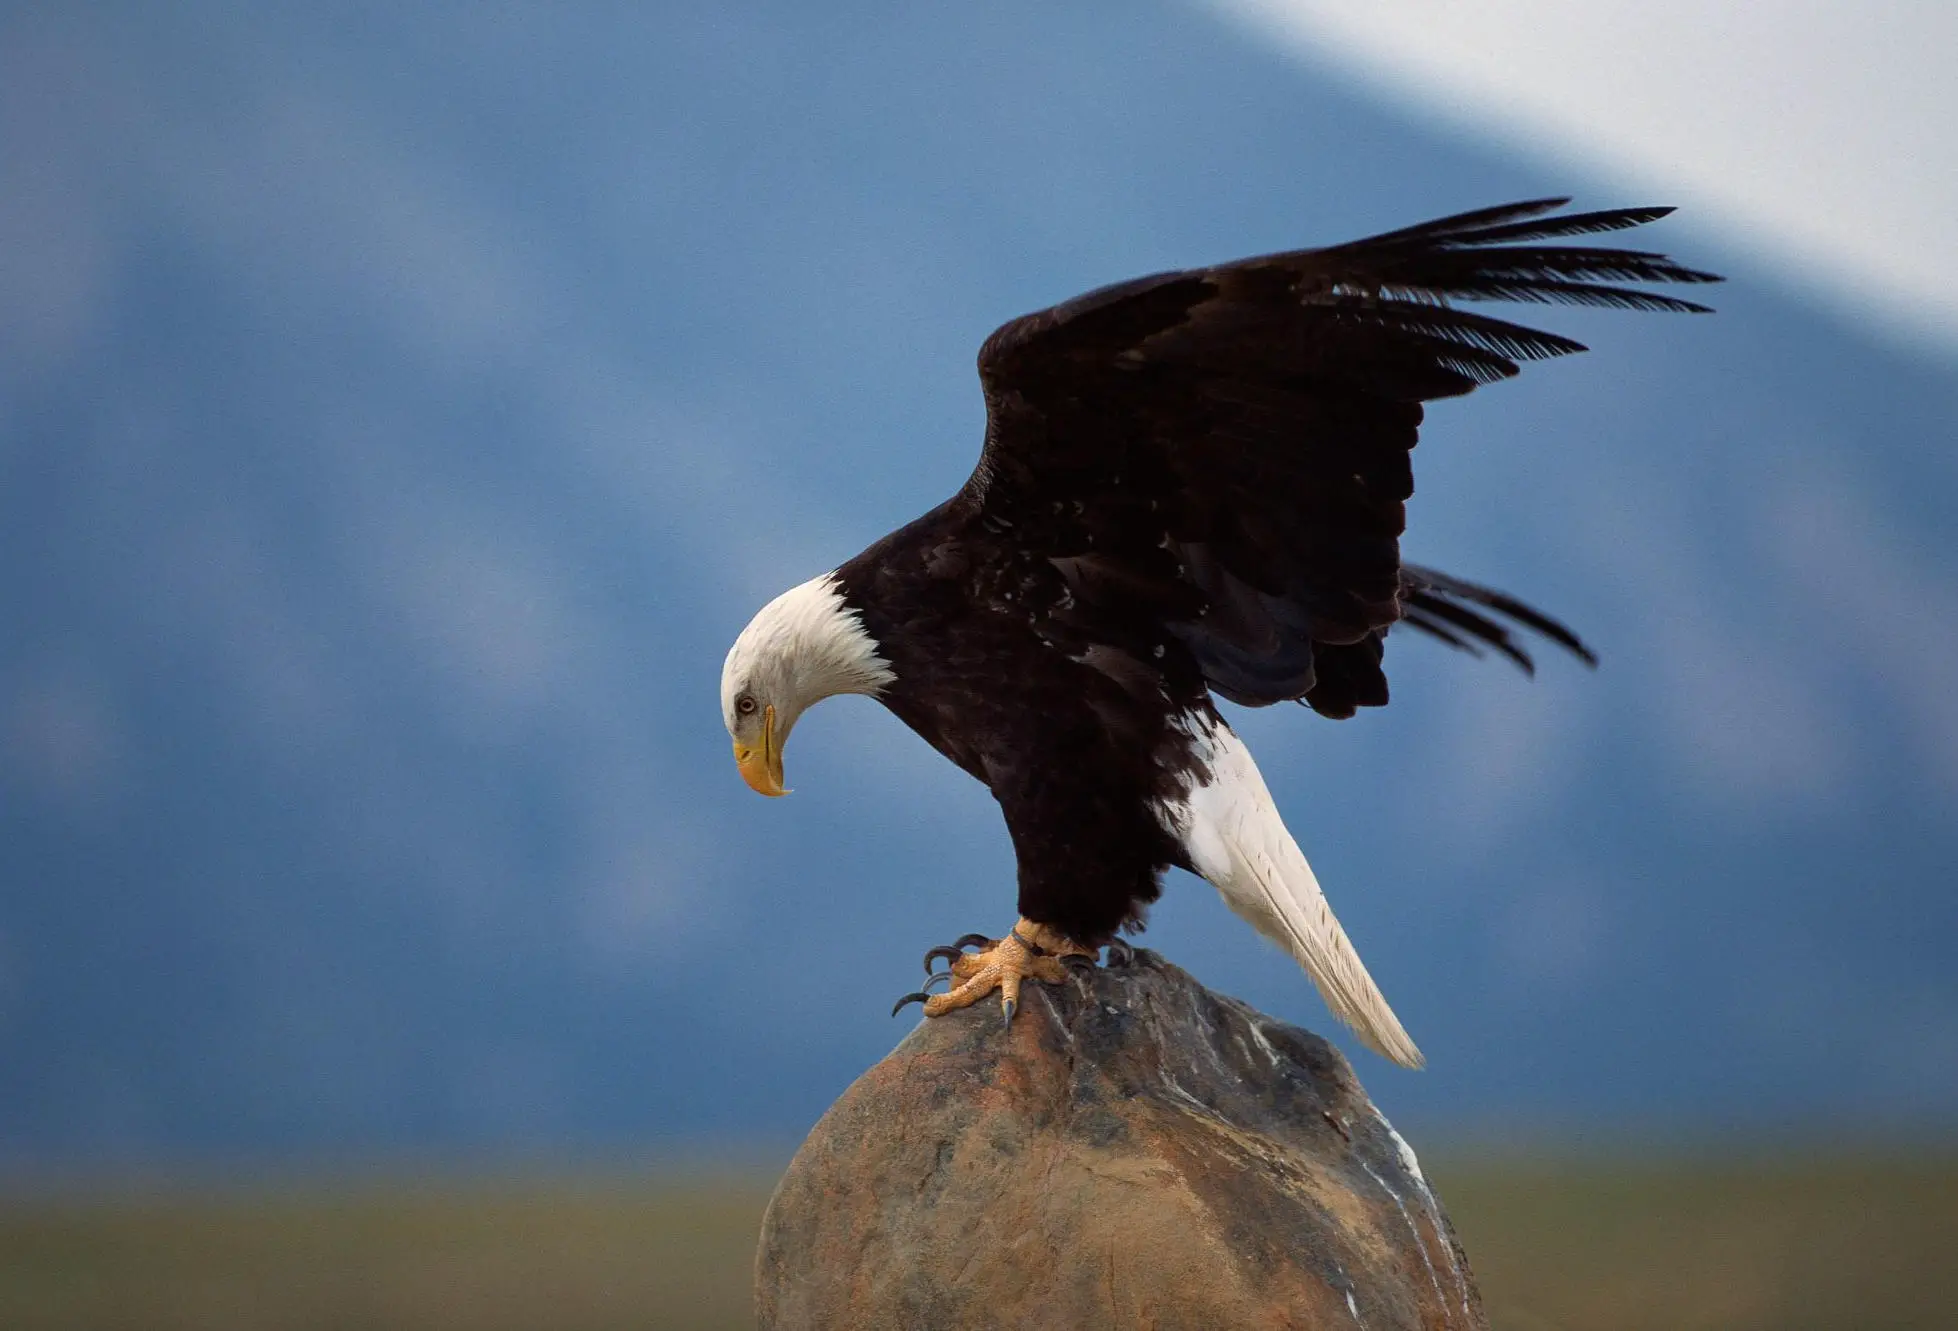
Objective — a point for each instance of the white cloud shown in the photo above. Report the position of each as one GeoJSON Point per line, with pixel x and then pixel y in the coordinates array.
{"type": "Point", "coordinates": [1817, 135]}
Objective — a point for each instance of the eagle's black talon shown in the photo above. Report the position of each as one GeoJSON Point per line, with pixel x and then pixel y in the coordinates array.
{"type": "Point", "coordinates": [916, 996]}
{"type": "Point", "coordinates": [1033, 948]}
{"type": "Point", "coordinates": [1009, 1007]}
{"type": "Point", "coordinates": [972, 940]}
{"type": "Point", "coordinates": [935, 977]}
{"type": "Point", "coordinates": [1079, 966]}
{"type": "Point", "coordinates": [1119, 952]}
{"type": "Point", "coordinates": [951, 952]}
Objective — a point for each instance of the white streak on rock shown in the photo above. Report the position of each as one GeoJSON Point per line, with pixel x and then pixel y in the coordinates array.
{"type": "Point", "coordinates": [1419, 1242]}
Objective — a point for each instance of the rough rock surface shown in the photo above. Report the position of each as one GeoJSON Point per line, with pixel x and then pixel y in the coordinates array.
{"type": "Point", "coordinates": [1136, 1152]}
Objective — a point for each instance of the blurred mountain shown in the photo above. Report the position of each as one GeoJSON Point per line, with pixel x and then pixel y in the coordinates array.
{"type": "Point", "coordinates": [401, 409]}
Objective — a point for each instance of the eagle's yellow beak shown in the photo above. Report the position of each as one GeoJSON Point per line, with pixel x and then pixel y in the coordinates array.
{"type": "Point", "coordinates": [762, 768]}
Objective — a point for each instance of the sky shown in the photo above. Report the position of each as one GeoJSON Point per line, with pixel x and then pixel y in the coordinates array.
{"type": "Point", "coordinates": [402, 409]}
{"type": "Point", "coordinates": [1818, 131]}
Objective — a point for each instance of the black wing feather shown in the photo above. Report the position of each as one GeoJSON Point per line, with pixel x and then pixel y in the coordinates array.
{"type": "Point", "coordinates": [1242, 432]}
{"type": "Point", "coordinates": [1426, 587]}
{"type": "Point", "coordinates": [1445, 229]}
{"type": "Point", "coordinates": [1570, 224]}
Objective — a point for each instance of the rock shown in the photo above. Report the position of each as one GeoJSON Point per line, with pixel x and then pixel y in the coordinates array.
{"type": "Point", "coordinates": [1135, 1152]}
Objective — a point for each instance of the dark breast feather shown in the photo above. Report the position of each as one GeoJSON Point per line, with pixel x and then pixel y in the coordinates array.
{"type": "Point", "coordinates": [1062, 721]}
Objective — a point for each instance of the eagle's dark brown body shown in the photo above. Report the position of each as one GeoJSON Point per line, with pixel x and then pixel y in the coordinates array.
{"type": "Point", "coordinates": [1195, 483]}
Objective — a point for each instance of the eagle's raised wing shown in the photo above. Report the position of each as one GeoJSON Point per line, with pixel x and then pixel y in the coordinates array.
{"type": "Point", "coordinates": [1224, 452]}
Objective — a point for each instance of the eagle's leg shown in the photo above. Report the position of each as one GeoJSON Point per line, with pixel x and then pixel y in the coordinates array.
{"type": "Point", "coordinates": [1029, 951]}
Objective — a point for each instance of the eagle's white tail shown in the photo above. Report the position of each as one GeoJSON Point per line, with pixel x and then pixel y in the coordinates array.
{"type": "Point", "coordinates": [1234, 837]}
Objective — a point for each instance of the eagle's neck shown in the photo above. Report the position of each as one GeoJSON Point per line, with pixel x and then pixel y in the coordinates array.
{"type": "Point", "coordinates": [811, 644]}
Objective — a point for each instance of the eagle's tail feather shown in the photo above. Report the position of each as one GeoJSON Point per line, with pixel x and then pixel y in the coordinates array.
{"type": "Point", "coordinates": [1232, 832]}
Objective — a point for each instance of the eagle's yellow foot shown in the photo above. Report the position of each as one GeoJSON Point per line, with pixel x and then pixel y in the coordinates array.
{"type": "Point", "coordinates": [1029, 951]}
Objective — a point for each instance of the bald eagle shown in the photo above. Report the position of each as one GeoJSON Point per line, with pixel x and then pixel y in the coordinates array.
{"type": "Point", "coordinates": [1193, 484]}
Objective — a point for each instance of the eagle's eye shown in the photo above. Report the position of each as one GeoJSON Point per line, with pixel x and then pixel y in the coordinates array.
{"type": "Point", "coordinates": [745, 704]}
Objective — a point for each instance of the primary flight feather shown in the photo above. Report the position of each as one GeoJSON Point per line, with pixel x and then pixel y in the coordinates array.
{"type": "Point", "coordinates": [1192, 484]}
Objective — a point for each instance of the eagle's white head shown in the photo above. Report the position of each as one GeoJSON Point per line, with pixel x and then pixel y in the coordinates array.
{"type": "Point", "coordinates": [805, 645]}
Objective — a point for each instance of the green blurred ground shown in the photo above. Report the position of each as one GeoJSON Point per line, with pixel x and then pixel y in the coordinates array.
{"type": "Point", "coordinates": [1787, 1244]}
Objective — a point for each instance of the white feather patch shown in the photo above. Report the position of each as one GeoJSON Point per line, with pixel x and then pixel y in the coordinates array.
{"type": "Point", "coordinates": [803, 646]}
{"type": "Point", "coordinates": [1233, 835]}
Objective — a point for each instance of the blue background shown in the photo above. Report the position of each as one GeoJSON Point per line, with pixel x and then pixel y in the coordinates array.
{"type": "Point", "coordinates": [401, 411]}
